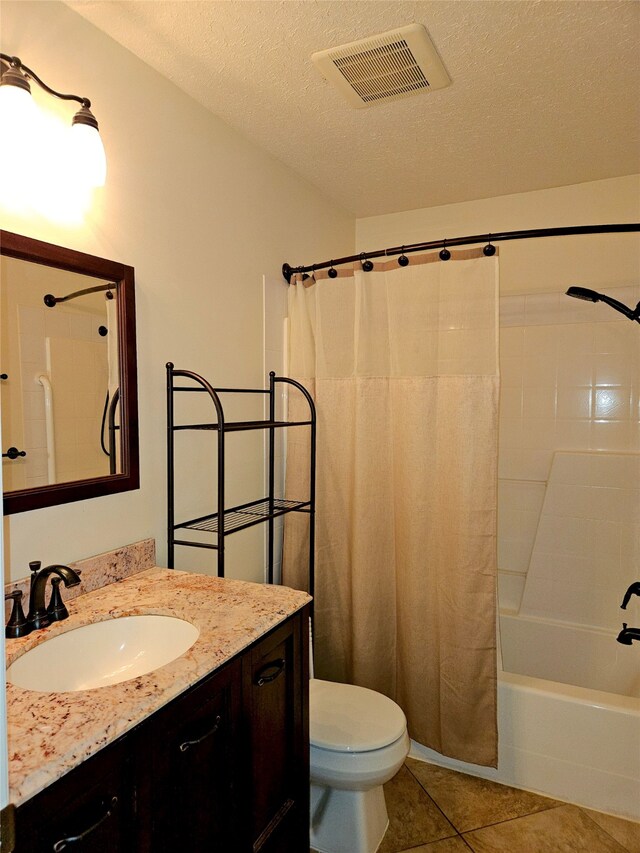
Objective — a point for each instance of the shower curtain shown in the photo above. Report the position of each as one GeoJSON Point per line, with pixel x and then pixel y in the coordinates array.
{"type": "Point", "coordinates": [403, 366]}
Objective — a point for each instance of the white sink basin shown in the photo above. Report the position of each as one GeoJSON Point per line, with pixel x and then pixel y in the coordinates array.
{"type": "Point", "coordinates": [103, 653]}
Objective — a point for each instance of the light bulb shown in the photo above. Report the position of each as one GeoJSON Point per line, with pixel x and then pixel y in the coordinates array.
{"type": "Point", "coordinates": [18, 112]}
{"type": "Point", "coordinates": [88, 154]}
{"type": "Point", "coordinates": [20, 120]}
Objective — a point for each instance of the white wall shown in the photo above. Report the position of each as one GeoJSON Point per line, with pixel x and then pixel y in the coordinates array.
{"type": "Point", "coordinates": [201, 214]}
{"type": "Point", "coordinates": [530, 265]}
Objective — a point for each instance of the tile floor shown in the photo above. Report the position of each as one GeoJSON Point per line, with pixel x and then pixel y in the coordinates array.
{"type": "Point", "coordinates": [433, 810]}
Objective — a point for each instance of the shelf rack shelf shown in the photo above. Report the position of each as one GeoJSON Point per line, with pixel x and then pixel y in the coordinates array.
{"type": "Point", "coordinates": [224, 521]}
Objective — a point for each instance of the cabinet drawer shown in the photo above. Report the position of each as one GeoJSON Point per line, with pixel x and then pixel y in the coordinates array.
{"type": "Point", "coordinates": [90, 810]}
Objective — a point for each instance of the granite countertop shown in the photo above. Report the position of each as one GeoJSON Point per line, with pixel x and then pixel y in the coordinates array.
{"type": "Point", "coordinates": [51, 733]}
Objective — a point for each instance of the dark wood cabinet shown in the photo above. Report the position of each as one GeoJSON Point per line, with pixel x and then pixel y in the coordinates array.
{"type": "Point", "coordinates": [189, 769]}
{"type": "Point", "coordinates": [223, 767]}
{"type": "Point", "coordinates": [91, 810]}
{"type": "Point", "coordinates": [274, 674]}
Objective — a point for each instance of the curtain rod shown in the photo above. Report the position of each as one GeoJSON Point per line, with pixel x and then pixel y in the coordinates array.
{"type": "Point", "coordinates": [288, 271]}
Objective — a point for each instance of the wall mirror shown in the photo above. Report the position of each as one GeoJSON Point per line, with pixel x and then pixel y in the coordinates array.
{"type": "Point", "coordinates": [68, 376]}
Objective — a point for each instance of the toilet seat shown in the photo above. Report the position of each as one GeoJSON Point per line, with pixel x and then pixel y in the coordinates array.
{"type": "Point", "coordinates": [346, 718]}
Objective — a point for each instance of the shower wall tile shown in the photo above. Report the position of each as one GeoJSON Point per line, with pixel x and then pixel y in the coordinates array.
{"type": "Point", "coordinates": [577, 339]}
{"type": "Point", "coordinates": [611, 436]}
{"type": "Point", "coordinates": [614, 337]}
{"type": "Point", "coordinates": [77, 369]}
{"type": "Point", "coordinates": [31, 320]}
{"type": "Point", "coordinates": [510, 588]}
{"type": "Point", "coordinates": [511, 370]}
{"type": "Point", "coordinates": [57, 323]}
{"type": "Point", "coordinates": [511, 403]}
{"type": "Point", "coordinates": [35, 434]}
{"type": "Point", "coordinates": [519, 505]}
{"type": "Point", "coordinates": [32, 348]}
{"type": "Point", "coordinates": [613, 369]}
{"type": "Point", "coordinates": [81, 326]}
{"type": "Point", "coordinates": [587, 543]}
{"type": "Point", "coordinates": [511, 311]}
{"type": "Point", "coordinates": [572, 433]}
{"type": "Point", "coordinates": [33, 405]}
{"type": "Point", "coordinates": [37, 462]}
{"type": "Point", "coordinates": [82, 357]}
{"type": "Point", "coordinates": [573, 401]}
{"type": "Point", "coordinates": [570, 381]}
{"type": "Point", "coordinates": [575, 368]}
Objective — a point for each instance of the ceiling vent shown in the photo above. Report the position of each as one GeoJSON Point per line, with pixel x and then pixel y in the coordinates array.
{"type": "Point", "coordinates": [385, 67]}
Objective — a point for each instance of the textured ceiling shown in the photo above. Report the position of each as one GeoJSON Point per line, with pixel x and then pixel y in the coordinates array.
{"type": "Point", "coordinates": [544, 93]}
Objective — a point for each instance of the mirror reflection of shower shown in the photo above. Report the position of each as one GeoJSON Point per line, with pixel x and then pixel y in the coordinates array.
{"type": "Point", "coordinates": [594, 296]}
{"type": "Point", "coordinates": [108, 424]}
{"type": "Point", "coordinates": [113, 385]}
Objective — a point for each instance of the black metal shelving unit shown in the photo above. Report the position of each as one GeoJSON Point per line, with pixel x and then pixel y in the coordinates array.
{"type": "Point", "coordinates": [224, 521]}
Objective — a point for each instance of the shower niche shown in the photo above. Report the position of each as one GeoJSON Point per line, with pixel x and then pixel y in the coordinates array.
{"type": "Point", "coordinates": [68, 368]}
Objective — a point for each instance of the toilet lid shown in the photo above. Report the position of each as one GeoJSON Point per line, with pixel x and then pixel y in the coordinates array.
{"type": "Point", "coordinates": [346, 718]}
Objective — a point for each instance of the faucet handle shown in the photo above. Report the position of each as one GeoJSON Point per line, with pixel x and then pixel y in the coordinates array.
{"type": "Point", "coordinates": [34, 565]}
{"type": "Point", "coordinates": [56, 608]}
{"type": "Point", "coordinates": [17, 625]}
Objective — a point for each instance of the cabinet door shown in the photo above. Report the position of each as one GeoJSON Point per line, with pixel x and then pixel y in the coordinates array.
{"type": "Point", "coordinates": [189, 766]}
{"type": "Point", "coordinates": [90, 810]}
{"type": "Point", "coordinates": [276, 691]}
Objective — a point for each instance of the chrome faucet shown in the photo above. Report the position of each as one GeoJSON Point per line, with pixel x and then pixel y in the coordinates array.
{"type": "Point", "coordinates": [38, 616]}
{"type": "Point", "coordinates": [634, 589]}
{"type": "Point", "coordinates": [628, 635]}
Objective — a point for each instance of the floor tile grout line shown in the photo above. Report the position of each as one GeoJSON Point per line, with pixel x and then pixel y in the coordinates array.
{"type": "Point", "coordinates": [442, 812]}
{"type": "Point", "coordinates": [510, 819]}
{"type": "Point", "coordinates": [427, 843]}
{"type": "Point", "coordinates": [595, 822]}
{"type": "Point", "coordinates": [558, 803]}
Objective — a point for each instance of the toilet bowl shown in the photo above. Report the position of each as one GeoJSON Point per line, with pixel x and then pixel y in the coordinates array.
{"type": "Point", "coordinates": [358, 741]}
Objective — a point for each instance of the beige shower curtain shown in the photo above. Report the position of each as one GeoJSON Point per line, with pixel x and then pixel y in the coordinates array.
{"type": "Point", "coordinates": [403, 366]}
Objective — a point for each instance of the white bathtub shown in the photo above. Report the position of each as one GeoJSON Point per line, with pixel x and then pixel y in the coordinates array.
{"type": "Point", "coordinates": [568, 741]}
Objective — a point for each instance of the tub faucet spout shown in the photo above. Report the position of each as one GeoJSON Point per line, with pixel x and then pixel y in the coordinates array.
{"type": "Point", "coordinates": [634, 589]}
{"type": "Point", "coordinates": [628, 635]}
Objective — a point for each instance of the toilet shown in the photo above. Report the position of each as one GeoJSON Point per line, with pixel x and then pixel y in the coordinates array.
{"type": "Point", "coordinates": [358, 741]}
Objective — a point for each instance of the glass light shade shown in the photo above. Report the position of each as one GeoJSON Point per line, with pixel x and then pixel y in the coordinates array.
{"type": "Point", "coordinates": [88, 155]}
{"type": "Point", "coordinates": [18, 112]}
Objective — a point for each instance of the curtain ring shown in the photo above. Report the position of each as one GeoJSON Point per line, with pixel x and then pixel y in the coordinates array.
{"type": "Point", "coordinates": [313, 272]}
{"type": "Point", "coordinates": [367, 265]}
{"type": "Point", "coordinates": [489, 250]}
{"type": "Point", "coordinates": [444, 254]}
{"type": "Point", "coordinates": [332, 273]}
{"type": "Point", "coordinates": [403, 260]}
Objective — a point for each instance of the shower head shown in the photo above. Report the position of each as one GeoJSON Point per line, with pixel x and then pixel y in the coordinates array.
{"type": "Point", "coordinates": [583, 293]}
{"type": "Point", "coordinates": [593, 296]}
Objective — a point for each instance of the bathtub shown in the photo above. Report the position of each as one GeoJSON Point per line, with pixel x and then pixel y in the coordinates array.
{"type": "Point", "coordinates": [577, 742]}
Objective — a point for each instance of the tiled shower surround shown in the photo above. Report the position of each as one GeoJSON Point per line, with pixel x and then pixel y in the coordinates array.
{"type": "Point", "coordinates": [570, 381]}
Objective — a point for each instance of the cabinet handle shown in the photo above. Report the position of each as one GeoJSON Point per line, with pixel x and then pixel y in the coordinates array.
{"type": "Point", "coordinates": [61, 845]}
{"type": "Point", "coordinates": [269, 672]}
{"type": "Point", "coordinates": [188, 743]}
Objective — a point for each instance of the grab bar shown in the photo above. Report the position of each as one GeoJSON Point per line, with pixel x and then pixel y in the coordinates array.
{"type": "Point", "coordinates": [44, 380]}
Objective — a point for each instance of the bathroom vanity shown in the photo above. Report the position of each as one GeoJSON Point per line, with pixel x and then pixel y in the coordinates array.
{"type": "Point", "coordinates": [209, 752]}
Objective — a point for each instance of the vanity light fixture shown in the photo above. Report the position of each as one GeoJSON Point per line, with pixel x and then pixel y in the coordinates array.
{"type": "Point", "coordinates": [18, 111]}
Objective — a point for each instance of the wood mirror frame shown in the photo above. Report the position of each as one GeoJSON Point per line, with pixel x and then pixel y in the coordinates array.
{"type": "Point", "coordinates": [38, 252]}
